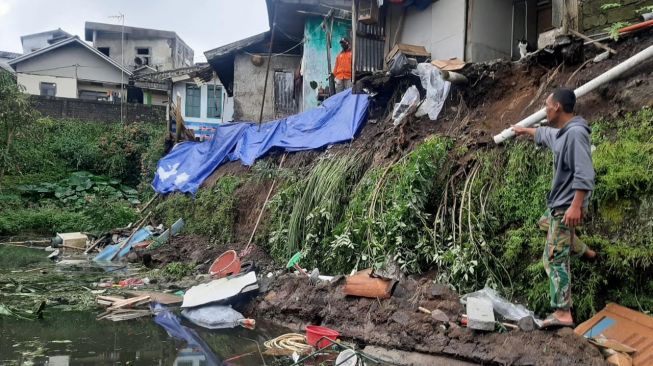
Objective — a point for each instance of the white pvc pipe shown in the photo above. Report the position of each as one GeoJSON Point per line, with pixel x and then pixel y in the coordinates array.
{"type": "Point", "coordinates": [607, 76]}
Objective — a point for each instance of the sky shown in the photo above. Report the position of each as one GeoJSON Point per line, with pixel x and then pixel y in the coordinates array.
{"type": "Point", "coordinates": [202, 24]}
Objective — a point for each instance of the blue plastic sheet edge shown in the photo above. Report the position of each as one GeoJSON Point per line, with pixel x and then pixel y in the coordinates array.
{"type": "Point", "coordinates": [338, 119]}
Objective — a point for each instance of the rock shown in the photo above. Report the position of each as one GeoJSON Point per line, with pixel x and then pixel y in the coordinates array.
{"type": "Point", "coordinates": [480, 314]}
{"type": "Point", "coordinates": [203, 277]}
{"type": "Point", "coordinates": [400, 291]}
{"type": "Point", "coordinates": [527, 324]}
{"type": "Point", "coordinates": [440, 316]}
{"type": "Point", "coordinates": [438, 290]}
{"type": "Point", "coordinates": [401, 317]}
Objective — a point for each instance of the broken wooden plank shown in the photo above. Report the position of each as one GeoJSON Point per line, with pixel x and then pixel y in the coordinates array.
{"type": "Point", "coordinates": [595, 43]}
{"type": "Point", "coordinates": [134, 301]}
{"type": "Point", "coordinates": [160, 297]}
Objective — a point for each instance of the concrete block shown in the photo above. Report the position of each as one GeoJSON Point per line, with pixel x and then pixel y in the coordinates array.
{"type": "Point", "coordinates": [480, 314]}
{"type": "Point", "coordinates": [527, 324]}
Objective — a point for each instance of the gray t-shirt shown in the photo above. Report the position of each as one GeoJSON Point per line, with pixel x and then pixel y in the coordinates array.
{"type": "Point", "coordinates": [572, 161]}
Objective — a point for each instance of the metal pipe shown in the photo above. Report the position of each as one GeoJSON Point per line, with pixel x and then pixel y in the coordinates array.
{"type": "Point", "coordinates": [606, 77]}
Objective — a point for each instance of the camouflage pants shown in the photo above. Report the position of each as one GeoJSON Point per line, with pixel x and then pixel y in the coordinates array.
{"type": "Point", "coordinates": [561, 242]}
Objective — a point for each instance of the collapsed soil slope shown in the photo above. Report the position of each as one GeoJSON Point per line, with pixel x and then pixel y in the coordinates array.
{"type": "Point", "coordinates": [498, 95]}
{"type": "Point", "coordinates": [397, 324]}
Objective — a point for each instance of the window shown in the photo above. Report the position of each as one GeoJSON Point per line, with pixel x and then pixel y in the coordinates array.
{"type": "Point", "coordinates": [142, 56]}
{"type": "Point", "coordinates": [193, 100]}
{"type": "Point", "coordinates": [105, 50]}
{"type": "Point", "coordinates": [48, 89]}
{"type": "Point", "coordinates": [213, 101]}
{"type": "Point", "coordinates": [93, 95]}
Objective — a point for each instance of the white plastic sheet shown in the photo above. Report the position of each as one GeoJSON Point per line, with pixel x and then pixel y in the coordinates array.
{"type": "Point", "coordinates": [500, 305]}
{"type": "Point", "coordinates": [213, 316]}
{"type": "Point", "coordinates": [437, 90]}
{"type": "Point", "coordinates": [406, 106]}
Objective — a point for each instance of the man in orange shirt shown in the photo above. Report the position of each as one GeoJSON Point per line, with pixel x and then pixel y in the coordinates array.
{"type": "Point", "coordinates": [342, 70]}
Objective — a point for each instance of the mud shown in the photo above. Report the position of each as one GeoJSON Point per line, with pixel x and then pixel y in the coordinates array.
{"type": "Point", "coordinates": [396, 323]}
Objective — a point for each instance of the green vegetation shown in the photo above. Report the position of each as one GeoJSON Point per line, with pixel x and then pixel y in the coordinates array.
{"type": "Point", "coordinates": [477, 224]}
{"type": "Point", "coordinates": [177, 270]}
{"type": "Point", "coordinates": [211, 213]}
{"type": "Point", "coordinates": [70, 175]}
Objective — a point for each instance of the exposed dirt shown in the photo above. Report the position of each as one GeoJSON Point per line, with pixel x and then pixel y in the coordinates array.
{"type": "Point", "coordinates": [499, 94]}
{"type": "Point", "coordinates": [396, 323]}
{"type": "Point", "coordinates": [198, 249]}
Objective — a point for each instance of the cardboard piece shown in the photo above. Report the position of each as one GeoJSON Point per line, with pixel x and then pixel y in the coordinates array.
{"type": "Point", "coordinates": [408, 50]}
{"type": "Point", "coordinates": [626, 326]}
{"type": "Point", "coordinates": [620, 359]}
{"type": "Point", "coordinates": [73, 240]}
{"type": "Point", "coordinates": [453, 64]}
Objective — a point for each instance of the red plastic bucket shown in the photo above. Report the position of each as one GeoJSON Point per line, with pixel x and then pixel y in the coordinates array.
{"type": "Point", "coordinates": [314, 333]}
{"type": "Point", "coordinates": [225, 265]}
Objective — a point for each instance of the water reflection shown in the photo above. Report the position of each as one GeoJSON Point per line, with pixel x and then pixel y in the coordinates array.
{"type": "Point", "coordinates": [74, 338]}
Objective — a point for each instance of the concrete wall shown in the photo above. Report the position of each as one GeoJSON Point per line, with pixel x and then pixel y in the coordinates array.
{"type": "Point", "coordinates": [60, 62]}
{"type": "Point", "coordinates": [489, 30]}
{"type": "Point", "coordinates": [179, 88]}
{"type": "Point", "coordinates": [66, 87]}
{"type": "Point", "coordinates": [594, 20]}
{"type": "Point", "coordinates": [163, 52]}
{"type": "Point", "coordinates": [35, 42]}
{"type": "Point", "coordinates": [98, 111]}
{"type": "Point", "coordinates": [440, 28]}
{"type": "Point", "coordinates": [249, 81]}
{"type": "Point", "coordinates": [314, 63]}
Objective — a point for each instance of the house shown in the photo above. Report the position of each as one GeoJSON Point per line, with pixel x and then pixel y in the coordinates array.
{"type": "Point", "coordinates": [36, 41]}
{"type": "Point", "coordinates": [242, 68]}
{"type": "Point", "coordinates": [299, 66]}
{"type": "Point", "coordinates": [5, 57]}
{"type": "Point", "coordinates": [70, 68]}
{"type": "Point", "coordinates": [202, 98]}
{"type": "Point", "coordinates": [137, 47]}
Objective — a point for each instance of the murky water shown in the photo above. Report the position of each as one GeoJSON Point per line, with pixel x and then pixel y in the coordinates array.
{"type": "Point", "coordinates": [76, 338]}
{"type": "Point", "coordinates": [65, 337]}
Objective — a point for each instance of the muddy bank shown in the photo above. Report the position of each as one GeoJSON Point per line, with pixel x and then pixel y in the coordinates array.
{"type": "Point", "coordinates": [397, 324]}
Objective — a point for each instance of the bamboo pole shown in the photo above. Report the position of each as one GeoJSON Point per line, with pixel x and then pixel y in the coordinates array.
{"type": "Point", "coordinates": [267, 72]}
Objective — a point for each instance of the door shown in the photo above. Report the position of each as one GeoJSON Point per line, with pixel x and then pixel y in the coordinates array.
{"type": "Point", "coordinates": [284, 94]}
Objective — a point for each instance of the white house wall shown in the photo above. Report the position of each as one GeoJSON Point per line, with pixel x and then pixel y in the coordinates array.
{"type": "Point", "coordinates": [179, 88]}
{"type": "Point", "coordinates": [489, 34]}
{"type": "Point", "coordinates": [61, 62]}
{"type": "Point", "coordinates": [440, 28]}
{"type": "Point", "coordinates": [65, 87]}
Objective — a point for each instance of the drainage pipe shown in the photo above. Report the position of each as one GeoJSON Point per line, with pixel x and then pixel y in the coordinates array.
{"type": "Point", "coordinates": [607, 76]}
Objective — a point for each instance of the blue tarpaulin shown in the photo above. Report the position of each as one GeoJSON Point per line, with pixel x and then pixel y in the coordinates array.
{"type": "Point", "coordinates": [338, 119]}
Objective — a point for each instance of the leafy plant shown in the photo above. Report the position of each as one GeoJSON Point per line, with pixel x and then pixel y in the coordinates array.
{"type": "Point", "coordinates": [178, 270]}
{"type": "Point", "coordinates": [645, 9]}
{"type": "Point", "coordinates": [81, 188]}
{"type": "Point", "coordinates": [609, 6]}
{"type": "Point", "coordinates": [614, 28]}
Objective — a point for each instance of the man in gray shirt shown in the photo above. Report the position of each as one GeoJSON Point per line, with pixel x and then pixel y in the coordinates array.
{"type": "Point", "coordinates": [573, 183]}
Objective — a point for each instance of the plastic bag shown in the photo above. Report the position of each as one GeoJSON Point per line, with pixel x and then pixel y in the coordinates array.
{"type": "Point", "coordinates": [214, 316]}
{"type": "Point", "coordinates": [398, 65]}
{"type": "Point", "coordinates": [437, 90]}
{"type": "Point", "coordinates": [406, 106]}
{"type": "Point", "coordinates": [501, 306]}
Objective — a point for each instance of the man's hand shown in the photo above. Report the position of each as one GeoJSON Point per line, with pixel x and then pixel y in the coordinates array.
{"type": "Point", "coordinates": [519, 131]}
{"type": "Point", "coordinates": [573, 216]}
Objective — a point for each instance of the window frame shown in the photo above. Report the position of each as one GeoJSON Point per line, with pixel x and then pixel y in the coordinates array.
{"type": "Point", "coordinates": [54, 88]}
{"type": "Point", "coordinates": [210, 88]}
{"type": "Point", "coordinates": [191, 107]}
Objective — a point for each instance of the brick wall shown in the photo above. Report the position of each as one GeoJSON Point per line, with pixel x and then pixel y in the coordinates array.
{"type": "Point", "coordinates": [594, 20]}
{"type": "Point", "coordinates": [89, 110]}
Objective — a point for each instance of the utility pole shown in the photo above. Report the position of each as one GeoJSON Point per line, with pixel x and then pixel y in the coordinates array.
{"type": "Point", "coordinates": [121, 16]}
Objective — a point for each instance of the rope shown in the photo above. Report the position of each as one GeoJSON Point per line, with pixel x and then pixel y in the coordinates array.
{"type": "Point", "coordinates": [291, 342]}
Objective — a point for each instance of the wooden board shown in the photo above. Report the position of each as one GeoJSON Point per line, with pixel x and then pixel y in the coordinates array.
{"type": "Point", "coordinates": [629, 327]}
{"type": "Point", "coordinates": [160, 297]}
{"type": "Point", "coordinates": [131, 302]}
{"type": "Point", "coordinates": [408, 50]}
